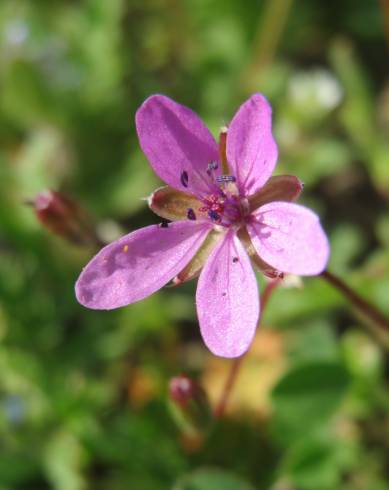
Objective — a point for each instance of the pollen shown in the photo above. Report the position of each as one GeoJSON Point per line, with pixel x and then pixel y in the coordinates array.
{"type": "Point", "coordinates": [225, 178]}
{"type": "Point", "coordinates": [211, 167]}
{"type": "Point", "coordinates": [213, 203]}
{"type": "Point", "coordinates": [125, 249]}
{"type": "Point", "coordinates": [223, 208]}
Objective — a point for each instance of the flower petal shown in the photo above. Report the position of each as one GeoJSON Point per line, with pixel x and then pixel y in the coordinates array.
{"type": "Point", "coordinates": [138, 264]}
{"type": "Point", "coordinates": [251, 149]}
{"type": "Point", "coordinates": [277, 188]}
{"type": "Point", "coordinates": [177, 144]}
{"type": "Point", "coordinates": [172, 204]}
{"type": "Point", "coordinates": [290, 238]}
{"type": "Point", "coordinates": [227, 317]}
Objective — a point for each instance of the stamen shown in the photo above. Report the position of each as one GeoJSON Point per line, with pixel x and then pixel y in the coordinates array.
{"type": "Point", "coordinates": [214, 216]}
{"type": "Point", "coordinates": [225, 178]}
{"type": "Point", "coordinates": [213, 203]}
{"type": "Point", "coordinates": [191, 214]}
{"type": "Point", "coordinates": [212, 166]}
{"type": "Point", "coordinates": [184, 178]}
{"type": "Point", "coordinates": [164, 224]}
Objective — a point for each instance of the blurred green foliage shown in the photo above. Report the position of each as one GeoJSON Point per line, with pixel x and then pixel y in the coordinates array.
{"type": "Point", "coordinates": [83, 393]}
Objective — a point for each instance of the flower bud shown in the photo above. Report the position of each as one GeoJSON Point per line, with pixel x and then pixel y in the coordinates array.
{"type": "Point", "coordinates": [190, 406]}
{"type": "Point", "coordinates": [63, 216]}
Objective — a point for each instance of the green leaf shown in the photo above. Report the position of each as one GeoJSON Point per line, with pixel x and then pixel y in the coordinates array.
{"type": "Point", "coordinates": [212, 479]}
{"type": "Point", "coordinates": [306, 398]}
{"type": "Point", "coordinates": [312, 341]}
{"type": "Point", "coordinates": [319, 463]}
{"type": "Point", "coordinates": [63, 460]}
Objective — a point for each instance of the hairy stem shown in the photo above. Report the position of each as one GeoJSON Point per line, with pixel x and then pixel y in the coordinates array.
{"type": "Point", "coordinates": [236, 363]}
{"type": "Point", "coordinates": [369, 312]}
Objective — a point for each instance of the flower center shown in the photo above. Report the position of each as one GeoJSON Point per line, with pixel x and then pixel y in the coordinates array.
{"type": "Point", "coordinates": [223, 207]}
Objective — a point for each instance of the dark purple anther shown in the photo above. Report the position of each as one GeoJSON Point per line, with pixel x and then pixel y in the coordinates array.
{"type": "Point", "coordinates": [184, 178]}
{"type": "Point", "coordinates": [212, 166]}
{"type": "Point", "coordinates": [214, 216]}
{"type": "Point", "coordinates": [164, 224]}
{"type": "Point", "coordinates": [225, 178]}
{"type": "Point", "coordinates": [191, 214]}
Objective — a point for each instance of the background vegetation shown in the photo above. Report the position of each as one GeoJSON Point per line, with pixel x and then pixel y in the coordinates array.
{"type": "Point", "coordinates": [83, 394]}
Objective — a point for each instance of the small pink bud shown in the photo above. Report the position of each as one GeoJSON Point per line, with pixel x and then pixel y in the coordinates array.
{"type": "Point", "coordinates": [182, 389]}
{"type": "Point", "coordinates": [190, 405]}
{"type": "Point", "coordinates": [63, 216]}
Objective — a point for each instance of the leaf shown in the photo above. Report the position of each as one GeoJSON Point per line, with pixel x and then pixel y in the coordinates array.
{"type": "Point", "coordinates": [312, 341]}
{"type": "Point", "coordinates": [306, 398]}
{"type": "Point", "coordinates": [322, 459]}
{"type": "Point", "coordinates": [63, 461]}
{"type": "Point", "coordinates": [212, 479]}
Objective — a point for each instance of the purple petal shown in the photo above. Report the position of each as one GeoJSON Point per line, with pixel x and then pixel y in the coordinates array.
{"type": "Point", "coordinates": [138, 264]}
{"type": "Point", "coordinates": [290, 238]}
{"type": "Point", "coordinates": [227, 299]}
{"type": "Point", "coordinates": [177, 144]}
{"type": "Point", "coordinates": [251, 149]}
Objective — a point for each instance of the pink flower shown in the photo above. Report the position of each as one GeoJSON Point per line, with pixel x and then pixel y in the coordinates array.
{"type": "Point", "coordinates": [227, 213]}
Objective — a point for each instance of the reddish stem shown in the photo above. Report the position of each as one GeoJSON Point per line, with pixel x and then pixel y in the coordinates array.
{"type": "Point", "coordinates": [369, 311]}
{"type": "Point", "coordinates": [231, 378]}
{"type": "Point", "coordinates": [385, 20]}
{"type": "Point", "coordinates": [236, 364]}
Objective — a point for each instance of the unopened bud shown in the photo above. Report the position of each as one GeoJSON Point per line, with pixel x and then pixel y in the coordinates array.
{"type": "Point", "coordinates": [190, 406]}
{"type": "Point", "coordinates": [63, 216]}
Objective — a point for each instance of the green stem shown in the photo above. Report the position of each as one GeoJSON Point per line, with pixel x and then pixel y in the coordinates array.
{"type": "Point", "coordinates": [268, 35]}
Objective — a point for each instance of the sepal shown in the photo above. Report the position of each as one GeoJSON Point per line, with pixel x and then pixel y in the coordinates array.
{"type": "Point", "coordinates": [168, 203]}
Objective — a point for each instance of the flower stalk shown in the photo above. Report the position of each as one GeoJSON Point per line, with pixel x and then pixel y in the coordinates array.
{"type": "Point", "coordinates": [368, 311]}
{"type": "Point", "coordinates": [237, 363]}
{"type": "Point", "coordinates": [385, 15]}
